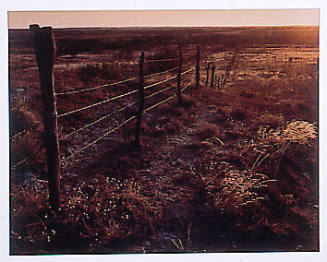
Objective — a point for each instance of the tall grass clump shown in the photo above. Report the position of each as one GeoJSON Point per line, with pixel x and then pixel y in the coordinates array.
{"type": "Point", "coordinates": [95, 216]}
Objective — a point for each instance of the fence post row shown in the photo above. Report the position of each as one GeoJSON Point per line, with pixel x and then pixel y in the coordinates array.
{"type": "Point", "coordinates": [212, 75]}
{"type": "Point", "coordinates": [140, 102]}
{"type": "Point", "coordinates": [179, 93]}
{"type": "Point", "coordinates": [44, 46]}
{"type": "Point", "coordinates": [197, 73]}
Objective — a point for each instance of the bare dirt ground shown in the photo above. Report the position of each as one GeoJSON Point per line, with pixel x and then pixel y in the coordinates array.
{"type": "Point", "coordinates": [233, 169]}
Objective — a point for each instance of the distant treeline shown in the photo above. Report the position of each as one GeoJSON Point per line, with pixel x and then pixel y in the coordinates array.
{"type": "Point", "coordinates": [94, 40]}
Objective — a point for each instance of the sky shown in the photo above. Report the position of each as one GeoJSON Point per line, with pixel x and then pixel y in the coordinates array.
{"type": "Point", "coordinates": [62, 19]}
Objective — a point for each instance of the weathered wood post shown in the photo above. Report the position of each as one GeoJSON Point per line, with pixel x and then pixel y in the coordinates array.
{"type": "Point", "coordinates": [197, 73]}
{"type": "Point", "coordinates": [207, 77]}
{"type": "Point", "coordinates": [212, 75]}
{"type": "Point", "coordinates": [141, 100]}
{"type": "Point", "coordinates": [45, 49]}
{"type": "Point", "coordinates": [218, 81]}
{"type": "Point", "coordinates": [179, 73]}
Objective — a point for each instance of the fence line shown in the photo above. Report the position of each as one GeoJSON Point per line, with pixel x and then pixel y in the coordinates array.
{"type": "Point", "coordinates": [111, 84]}
{"type": "Point", "coordinates": [98, 139]}
{"type": "Point", "coordinates": [64, 160]}
{"type": "Point", "coordinates": [118, 82]}
{"type": "Point", "coordinates": [96, 104]}
{"type": "Point", "coordinates": [44, 46]}
{"type": "Point", "coordinates": [98, 120]}
{"type": "Point", "coordinates": [115, 83]}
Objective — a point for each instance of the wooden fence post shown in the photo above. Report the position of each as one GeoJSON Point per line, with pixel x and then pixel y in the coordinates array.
{"type": "Point", "coordinates": [207, 78]}
{"type": "Point", "coordinates": [44, 47]}
{"type": "Point", "coordinates": [218, 81]}
{"type": "Point", "coordinates": [179, 93]}
{"type": "Point", "coordinates": [212, 75]}
{"type": "Point", "coordinates": [141, 99]}
{"type": "Point", "coordinates": [197, 73]}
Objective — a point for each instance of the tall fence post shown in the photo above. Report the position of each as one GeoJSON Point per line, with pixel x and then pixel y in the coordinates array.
{"type": "Point", "coordinates": [141, 100]}
{"type": "Point", "coordinates": [212, 75]}
{"type": "Point", "coordinates": [179, 93]}
{"type": "Point", "coordinates": [197, 73]}
{"type": "Point", "coordinates": [207, 78]}
{"type": "Point", "coordinates": [44, 46]}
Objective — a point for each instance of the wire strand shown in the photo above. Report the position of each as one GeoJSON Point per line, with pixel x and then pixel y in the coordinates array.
{"type": "Point", "coordinates": [97, 121]}
{"type": "Point", "coordinates": [95, 88]}
{"type": "Point", "coordinates": [186, 87]}
{"type": "Point", "coordinates": [158, 92]}
{"type": "Point", "coordinates": [16, 135]}
{"type": "Point", "coordinates": [160, 103]}
{"type": "Point", "coordinates": [161, 73]}
{"type": "Point", "coordinates": [168, 79]}
{"type": "Point", "coordinates": [187, 71]}
{"type": "Point", "coordinates": [98, 139]}
{"type": "Point", "coordinates": [96, 104]}
{"type": "Point", "coordinates": [161, 60]}
{"type": "Point", "coordinates": [160, 82]}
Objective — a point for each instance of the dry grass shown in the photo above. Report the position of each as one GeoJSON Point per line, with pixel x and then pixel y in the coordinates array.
{"type": "Point", "coordinates": [93, 214]}
{"type": "Point", "coordinates": [244, 174]}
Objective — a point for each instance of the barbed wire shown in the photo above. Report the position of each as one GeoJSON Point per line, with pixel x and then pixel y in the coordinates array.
{"type": "Point", "coordinates": [158, 92]}
{"type": "Point", "coordinates": [98, 120]}
{"type": "Point", "coordinates": [111, 84]}
{"type": "Point", "coordinates": [64, 160]}
{"type": "Point", "coordinates": [97, 104]}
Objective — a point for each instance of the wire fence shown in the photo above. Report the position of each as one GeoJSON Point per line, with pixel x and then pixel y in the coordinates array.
{"type": "Point", "coordinates": [128, 106]}
{"type": "Point", "coordinates": [108, 132]}
{"type": "Point", "coordinates": [132, 103]}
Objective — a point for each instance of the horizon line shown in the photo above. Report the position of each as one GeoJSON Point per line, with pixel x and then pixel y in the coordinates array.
{"type": "Point", "coordinates": [168, 26]}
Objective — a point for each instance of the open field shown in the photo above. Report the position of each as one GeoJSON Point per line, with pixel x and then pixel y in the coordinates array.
{"type": "Point", "coordinates": [235, 168]}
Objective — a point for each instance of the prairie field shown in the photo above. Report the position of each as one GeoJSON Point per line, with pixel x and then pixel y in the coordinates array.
{"type": "Point", "coordinates": [233, 168]}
